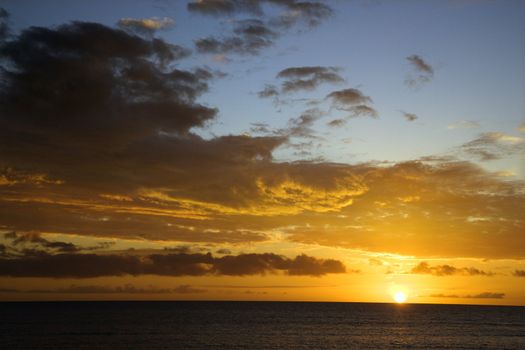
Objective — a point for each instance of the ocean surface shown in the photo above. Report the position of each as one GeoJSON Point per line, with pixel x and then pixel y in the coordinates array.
{"type": "Point", "coordinates": [258, 325]}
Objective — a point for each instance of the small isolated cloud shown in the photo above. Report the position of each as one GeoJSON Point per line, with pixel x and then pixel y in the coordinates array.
{"type": "Point", "coordinates": [519, 273]}
{"type": "Point", "coordinates": [348, 97]}
{"type": "Point", "coordinates": [308, 78]}
{"type": "Point", "coordinates": [421, 73]}
{"type": "Point", "coordinates": [447, 270]}
{"type": "Point", "coordinates": [336, 123]}
{"type": "Point", "coordinates": [250, 36]}
{"type": "Point", "coordinates": [464, 124]}
{"type": "Point", "coordinates": [493, 146]}
{"type": "Point", "coordinates": [268, 91]}
{"type": "Point", "coordinates": [353, 101]}
{"type": "Point", "coordinates": [146, 25]}
{"type": "Point", "coordinates": [522, 127]}
{"type": "Point", "coordinates": [409, 116]}
{"type": "Point", "coordinates": [484, 295]}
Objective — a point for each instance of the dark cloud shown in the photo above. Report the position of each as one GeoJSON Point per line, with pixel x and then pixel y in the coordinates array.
{"type": "Point", "coordinates": [146, 26]}
{"type": "Point", "coordinates": [32, 243]}
{"type": "Point", "coordinates": [250, 37]}
{"type": "Point", "coordinates": [36, 239]}
{"type": "Point", "coordinates": [302, 126]}
{"type": "Point", "coordinates": [224, 7]}
{"type": "Point", "coordinates": [268, 91]}
{"type": "Point", "coordinates": [352, 101]}
{"type": "Point", "coordinates": [4, 28]}
{"type": "Point", "coordinates": [485, 295]}
{"type": "Point", "coordinates": [309, 13]}
{"type": "Point", "coordinates": [124, 289]}
{"type": "Point", "coordinates": [420, 64]}
{"type": "Point", "coordinates": [348, 97]}
{"type": "Point", "coordinates": [95, 265]}
{"type": "Point", "coordinates": [447, 270]}
{"type": "Point", "coordinates": [519, 273]}
{"type": "Point", "coordinates": [82, 81]}
{"type": "Point", "coordinates": [409, 116]}
{"type": "Point", "coordinates": [361, 111]}
{"type": "Point", "coordinates": [336, 123]}
{"type": "Point", "coordinates": [422, 72]}
{"type": "Point", "coordinates": [308, 78]}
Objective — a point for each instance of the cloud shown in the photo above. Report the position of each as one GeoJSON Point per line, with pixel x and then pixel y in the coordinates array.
{"type": "Point", "coordinates": [187, 289]}
{"type": "Point", "coordinates": [409, 116]}
{"type": "Point", "coordinates": [308, 78]}
{"type": "Point", "coordinates": [336, 123]}
{"type": "Point", "coordinates": [348, 97]}
{"type": "Point", "coordinates": [302, 126]}
{"type": "Point", "coordinates": [293, 12]}
{"type": "Point", "coordinates": [124, 289]}
{"type": "Point", "coordinates": [484, 295]}
{"type": "Point", "coordinates": [224, 7]}
{"type": "Point", "coordinates": [65, 76]}
{"type": "Point", "coordinates": [310, 14]}
{"type": "Point", "coordinates": [251, 36]}
{"type": "Point", "coordinates": [97, 139]}
{"type": "Point", "coordinates": [464, 124]}
{"type": "Point", "coordinates": [146, 26]}
{"type": "Point", "coordinates": [4, 28]}
{"type": "Point", "coordinates": [353, 101]}
{"type": "Point", "coordinates": [68, 265]}
{"type": "Point", "coordinates": [268, 91]}
{"type": "Point", "coordinates": [305, 78]}
{"type": "Point", "coordinates": [422, 72]}
{"type": "Point", "coordinates": [447, 270]}
{"type": "Point", "coordinates": [493, 145]}
{"type": "Point", "coordinates": [519, 273]}
{"type": "Point", "coordinates": [36, 239]}
{"type": "Point", "coordinates": [522, 127]}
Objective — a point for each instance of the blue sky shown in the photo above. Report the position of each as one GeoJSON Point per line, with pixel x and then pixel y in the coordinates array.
{"type": "Point", "coordinates": [476, 49]}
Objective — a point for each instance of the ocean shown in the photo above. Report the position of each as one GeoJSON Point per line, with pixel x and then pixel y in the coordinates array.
{"type": "Point", "coordinates": [258, 325]}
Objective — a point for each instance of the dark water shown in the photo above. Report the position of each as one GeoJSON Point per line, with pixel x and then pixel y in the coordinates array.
{"type": "Point", "coordinates": [258, 325]}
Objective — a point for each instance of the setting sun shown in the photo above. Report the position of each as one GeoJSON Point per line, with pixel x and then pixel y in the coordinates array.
{"type": "Point", "coordinates": [400, 297]}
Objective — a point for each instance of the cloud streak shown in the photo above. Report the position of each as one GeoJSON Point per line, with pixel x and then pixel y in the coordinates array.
{"type": "Point", "coordinates": [447, 270]}
{"type": "Point", "coordinates": [484, 295]}
{"type": "Point", "coordinates": [147, 26]}
{"type": "Point", "coordinates": [422, 72]}
{"type": "Point", "coordinates": [68, 265]}
{"type": "Point", "coordinates": [250, 37]}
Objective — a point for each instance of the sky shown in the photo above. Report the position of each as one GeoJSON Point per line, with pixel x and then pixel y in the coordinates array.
{"type": "Point", "coordinates": [263, 150]}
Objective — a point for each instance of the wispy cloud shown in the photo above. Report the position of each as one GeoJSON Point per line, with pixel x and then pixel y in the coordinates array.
{"type": "Point", "coordinates": [146, 25]}
{"type": "Point", "coordinates": [493, 145]}
{"type": "Point", "coordinates": [250, 37]}
{"type": "Point", "coordinates": [410, 117]}
{"type": "Point", "coordinates": [422, 72]}
{"type": "Point", "coordinates": [464, 124]}
{"type": "Point", "coordinates": [447, 270]}
{"type": "Point", "coordinates": [519, 273]}
{"type": "Point", "coordinates": [484, 295]}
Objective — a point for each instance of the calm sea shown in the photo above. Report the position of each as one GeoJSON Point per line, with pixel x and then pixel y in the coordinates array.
{"type": "Point", "coordinates": [258, 325]}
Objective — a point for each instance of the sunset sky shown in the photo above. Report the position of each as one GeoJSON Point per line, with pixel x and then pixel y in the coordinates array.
{"type": "Point", "coordinates": [263, 150]}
